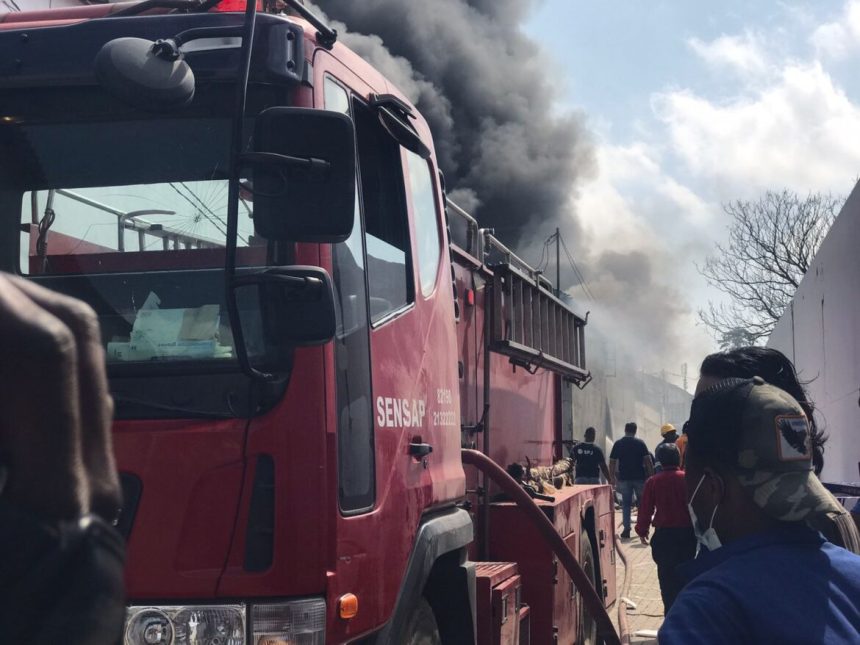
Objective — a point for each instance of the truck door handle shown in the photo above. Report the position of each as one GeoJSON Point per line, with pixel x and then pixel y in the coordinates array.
{"type": "Point", "coordinates": [419, 450]}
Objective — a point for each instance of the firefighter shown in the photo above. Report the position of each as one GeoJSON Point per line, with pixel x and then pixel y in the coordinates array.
{"type": "Point", "coordinates": [62, 566]}
{"type": "Point", "coordinates": [764, 574]}
{"type": "Point", "coordinates": [669, 435]}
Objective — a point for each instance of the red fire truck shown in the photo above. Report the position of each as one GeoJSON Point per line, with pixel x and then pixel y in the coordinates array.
{"type": "Point", "coordinates": [302, 336]}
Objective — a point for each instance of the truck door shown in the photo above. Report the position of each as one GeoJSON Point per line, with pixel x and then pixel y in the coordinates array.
{"type": "Point", "coordinates": [410, 310]}
{"type": "Point", "coordinates": [397, 416]}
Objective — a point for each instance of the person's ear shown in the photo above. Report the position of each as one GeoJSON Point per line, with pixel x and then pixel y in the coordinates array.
{"type": "Point", "coordinates": [714, 486]}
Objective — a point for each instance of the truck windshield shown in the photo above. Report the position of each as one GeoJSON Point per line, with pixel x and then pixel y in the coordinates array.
{"type": "Point", "coordinates": [131, 217]}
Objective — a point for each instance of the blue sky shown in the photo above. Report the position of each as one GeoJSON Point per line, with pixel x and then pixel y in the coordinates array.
{"type": "Point", "coordinates": [694, 104]}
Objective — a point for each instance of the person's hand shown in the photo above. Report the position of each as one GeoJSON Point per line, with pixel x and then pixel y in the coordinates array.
{"type": "Point", "coordinates": [55, 426]}
{"type": "Point", "coordinates": [643, 539]}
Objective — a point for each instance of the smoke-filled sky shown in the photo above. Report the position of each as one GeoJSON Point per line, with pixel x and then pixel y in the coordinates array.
{"type": "Point", "coordinates": [626, 125]}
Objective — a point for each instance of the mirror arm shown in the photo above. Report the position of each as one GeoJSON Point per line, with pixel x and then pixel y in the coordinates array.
{"type": "Point", "coordinates": [170, 48]}
{"type": "Point", "coordinates": [311, 164]}
{"type": "Point", "coordinates": [197, 33]}
{"type": "Point", "coordinates": [146, 5]}
{"type": "Point", "coordinates": [273, 276]}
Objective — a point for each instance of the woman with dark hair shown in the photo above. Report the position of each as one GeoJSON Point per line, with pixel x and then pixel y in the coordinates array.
{"type": "Point", "coordinates": [775, 368]}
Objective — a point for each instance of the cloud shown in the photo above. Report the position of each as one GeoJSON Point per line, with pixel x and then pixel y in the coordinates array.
{"type": "Point", "coordinates": [742, 54]}
{"type": "Point", "coordinates": [797, 131]}
{"type": "Point", "coordinates": [841, 37]}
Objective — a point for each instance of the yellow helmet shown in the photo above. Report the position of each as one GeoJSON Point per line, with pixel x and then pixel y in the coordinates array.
{"type": "Point", "coordinates": [667, 428]}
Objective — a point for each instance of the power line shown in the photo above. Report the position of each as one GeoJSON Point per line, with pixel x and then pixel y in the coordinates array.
{"type": "Point", "coordinates": [544, 256]}
{"type": "Point", "coordinates": [199, 206]}
{"type": "Point", "coordinates": [582, 281]}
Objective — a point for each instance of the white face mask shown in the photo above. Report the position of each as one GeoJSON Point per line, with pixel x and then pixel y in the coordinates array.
{"type": "Point", "coordinates": [708, 538]}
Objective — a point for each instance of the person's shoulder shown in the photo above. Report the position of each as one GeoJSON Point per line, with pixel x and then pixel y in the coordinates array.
{"type": "Point", "coordinates": [843, 560]}
{"type": "Point", "coordinates": [705, 612]}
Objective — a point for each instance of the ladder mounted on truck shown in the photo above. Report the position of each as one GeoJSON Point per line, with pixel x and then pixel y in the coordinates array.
{"type": "Point", "coordinates": [530, 324]}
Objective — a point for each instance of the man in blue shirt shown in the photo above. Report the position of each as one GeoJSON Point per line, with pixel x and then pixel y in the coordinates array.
{"type": "Point", "coordinates": [630, 465]}
{"type": "Point", "coordinates": [766, 577]}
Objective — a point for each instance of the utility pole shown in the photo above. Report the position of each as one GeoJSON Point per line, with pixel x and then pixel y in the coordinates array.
{"type": "Point", "coordinates": [557, 263]}
{"type": "Point", "coordinates": [663, 402]}
{"type": "Point", "coordinates": [684, 375]}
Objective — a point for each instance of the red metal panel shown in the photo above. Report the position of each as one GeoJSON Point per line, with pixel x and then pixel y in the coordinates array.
{"type": "Point", "coordinates": [606, 546]}
{"type": "Point", "coordinates": [489, 577]}
{"type": "Point", "coordinates": [565, 606]}
{"type": "Point", "coordinates": [506, 626]}
{"type": "Point", "coordinates": [184, 466]}
{"type": "Point", "coordinates": [293, 433]}
{"type": "Point", "coordinates": [546, 586]}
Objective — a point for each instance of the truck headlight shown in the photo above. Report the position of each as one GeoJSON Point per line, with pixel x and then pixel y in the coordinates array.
{"type": "Point", "coordinates": [289, 623]}
{"type": "Point", "coordinates": [186, 625]}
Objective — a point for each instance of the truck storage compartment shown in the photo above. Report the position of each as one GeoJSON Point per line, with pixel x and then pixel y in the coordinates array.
{"type": "Point", "coordinates": [547, 588]}
{"type": "Point", "coordinates": [499, 604]}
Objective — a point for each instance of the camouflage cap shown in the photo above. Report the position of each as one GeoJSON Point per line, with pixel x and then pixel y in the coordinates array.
{"type": "Point", "coordinates": [773, 460]}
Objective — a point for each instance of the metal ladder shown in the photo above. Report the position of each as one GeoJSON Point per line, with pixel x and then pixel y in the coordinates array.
{"type": "Point", "coordinates": [529, 323]}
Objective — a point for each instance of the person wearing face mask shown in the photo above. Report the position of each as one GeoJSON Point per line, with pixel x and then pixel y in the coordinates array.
{"type": "Point", "coordinates": [776, 368]}
{"type": "Point", "coordinates": [763, 574]}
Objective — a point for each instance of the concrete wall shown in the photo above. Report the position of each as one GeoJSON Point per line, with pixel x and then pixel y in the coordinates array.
{"type": "Point", "coordinates": [820, 332]}
{"type": "Point", "coordinates": [619, 393]}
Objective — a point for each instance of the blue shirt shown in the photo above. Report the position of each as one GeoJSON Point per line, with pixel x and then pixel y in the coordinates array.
{"type": "Point", "coordinates": [786, 586]}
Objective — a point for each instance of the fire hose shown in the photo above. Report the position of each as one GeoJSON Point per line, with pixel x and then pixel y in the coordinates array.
{"type": "Point", "coordinates": [592, 602]}
{"type": "Point", "coordinates": [625, 592]}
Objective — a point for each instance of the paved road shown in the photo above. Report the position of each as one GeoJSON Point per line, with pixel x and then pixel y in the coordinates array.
{"type": "Point", "coordinates": [644, 591]}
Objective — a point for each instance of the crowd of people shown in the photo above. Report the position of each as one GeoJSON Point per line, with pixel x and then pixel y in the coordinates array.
{"type": "Point", "coordinates": [744, 532]}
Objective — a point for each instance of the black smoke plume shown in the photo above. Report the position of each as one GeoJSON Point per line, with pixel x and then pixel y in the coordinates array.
{"type": "Point", "coordinates": [486, 91]}
{"type": "Point", "coordinates": [511, 157]}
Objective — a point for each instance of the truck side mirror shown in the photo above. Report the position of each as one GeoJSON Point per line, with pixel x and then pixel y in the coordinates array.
{"type": "Point", "coordinates": [303, 175]}
{"type": "Point", "coordinates": [281, 308]}
{"type": "Point", "coordinates": [148, 75]}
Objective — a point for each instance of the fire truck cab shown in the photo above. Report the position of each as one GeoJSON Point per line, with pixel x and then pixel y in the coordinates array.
{"type": "Point", "coordinates": [328, 504]}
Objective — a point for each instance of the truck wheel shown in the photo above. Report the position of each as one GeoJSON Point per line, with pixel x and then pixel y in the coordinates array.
{"type": "Point", "coordinates": [421, 628]}
{"type": "Point", "coordinates": [587, 632]}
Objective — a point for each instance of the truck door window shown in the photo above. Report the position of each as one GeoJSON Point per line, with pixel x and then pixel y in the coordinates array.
{"type": "Point", "coordinates": [423, 190]}
{"type": "Point", "coordinates": [355, 444]}
{"type": "Point", "coordinates": [389, 262]}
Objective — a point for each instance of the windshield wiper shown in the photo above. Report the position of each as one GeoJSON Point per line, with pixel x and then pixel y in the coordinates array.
{"type": "Point", "coordinates": [123, 400]}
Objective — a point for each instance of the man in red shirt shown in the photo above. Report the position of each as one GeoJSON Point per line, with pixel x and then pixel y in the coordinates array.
{"type": "Point", "coordinates": [664, 503]}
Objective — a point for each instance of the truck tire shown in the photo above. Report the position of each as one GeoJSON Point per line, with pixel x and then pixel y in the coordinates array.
{"type": "Point", "coordinates": [421, 628]}
{"type": "Point", "coordinates": [587, 632]}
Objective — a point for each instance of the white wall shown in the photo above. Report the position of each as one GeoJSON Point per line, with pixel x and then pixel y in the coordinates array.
{"type": "Point", "coordinates": [821, 333]}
